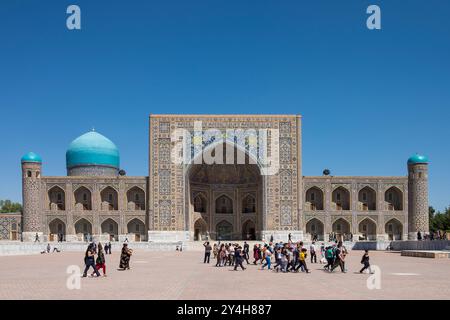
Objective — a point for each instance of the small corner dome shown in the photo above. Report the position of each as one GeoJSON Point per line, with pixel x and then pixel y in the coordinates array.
{"type": "Point", "coordinates": [418, 159]}
{"type": "Point", "coordinates": [94, 149]}
{"type": "Point", "coordinates": [31, 157]}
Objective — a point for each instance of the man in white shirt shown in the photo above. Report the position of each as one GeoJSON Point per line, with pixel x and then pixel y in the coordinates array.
{"type": "Point", "coordinates": [312, 251]}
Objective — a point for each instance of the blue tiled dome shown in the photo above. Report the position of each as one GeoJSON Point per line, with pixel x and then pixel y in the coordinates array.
{"type": "Point", "coordinates": [31, 157]}
{"type": "Point", "coordinates": [417, 159]}
{"type": "Point", "coordinates": [92, 148]}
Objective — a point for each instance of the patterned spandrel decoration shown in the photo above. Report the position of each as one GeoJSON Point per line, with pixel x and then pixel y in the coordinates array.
{"type": "Point", "coordinates": [286, 182]}
{"type": "Point", "coordinates": [285, 150]}
{"type": "Point", "coordinates": [254, 142]}
{"type": "Point", "coordinates": [164, 182]}
{"type": "Point", "coordinates": [286, 213]}
{"type": "Point", "coordinates": [164, 213]}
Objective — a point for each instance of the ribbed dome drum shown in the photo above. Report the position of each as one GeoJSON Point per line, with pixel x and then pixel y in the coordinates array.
{"type": "Point", "coordinates": [92, 154]}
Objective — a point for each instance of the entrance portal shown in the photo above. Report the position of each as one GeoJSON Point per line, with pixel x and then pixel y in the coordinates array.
{"type": "Point", "coordinates": [249, 231]}
{"type": "Point", "coordinates": [200, 230]}
{"type": "Point", "coordinates": [227, 196]}
{"type": "Point", "coordinates": [224, 231]}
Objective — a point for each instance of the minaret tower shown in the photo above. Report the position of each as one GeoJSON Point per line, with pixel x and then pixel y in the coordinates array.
{"type": "Point", "coordinates": [31, 195]}
{"type": "Point", "coordinates": [418, 218]}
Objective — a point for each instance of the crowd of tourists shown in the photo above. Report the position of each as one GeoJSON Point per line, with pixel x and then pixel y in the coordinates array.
{"type": "Point", "coordinates": [281, 257]}
{"type": "Point", "coordinates": [95, 258]}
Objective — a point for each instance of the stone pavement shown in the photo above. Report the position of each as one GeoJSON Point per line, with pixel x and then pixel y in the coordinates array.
{"type": "Point", "coordinates": [182, 275]}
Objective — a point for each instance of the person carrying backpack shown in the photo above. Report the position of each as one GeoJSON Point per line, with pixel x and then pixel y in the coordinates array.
{"type": "Point", "coordinates": [329, 255]}
{"type": "Point", "coordinates": [339, 259]}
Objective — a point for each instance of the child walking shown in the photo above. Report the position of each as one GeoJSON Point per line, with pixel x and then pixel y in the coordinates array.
{"type": "Point", "coordinates": [365, 262]}
{"type": "Point", "coordinates": [100, 262]}
{"type": "Point", "coordinates": [302, 260]}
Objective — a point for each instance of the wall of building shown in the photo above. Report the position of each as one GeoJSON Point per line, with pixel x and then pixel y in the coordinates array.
{"type": "Point", "coordinates": [168, 198]}
{"type": "Point", "coordinates": [391, 207]}
{"type": "Point", "coordinates": [358, 213]}
{"type": "Point", "coordinates": [73, 213]}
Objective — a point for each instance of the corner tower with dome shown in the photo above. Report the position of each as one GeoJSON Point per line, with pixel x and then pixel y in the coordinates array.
{"type": "Point", "coordinates": [418, 195]}
{"type": "Point", "coordinates": [195, 202]}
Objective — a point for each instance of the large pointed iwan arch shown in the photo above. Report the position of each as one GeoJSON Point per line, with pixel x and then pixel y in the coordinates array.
{"type": "Point", "coordinates": [236, 181]}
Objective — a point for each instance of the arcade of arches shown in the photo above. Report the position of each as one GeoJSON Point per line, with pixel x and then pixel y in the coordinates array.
{"type": "Point", "coordinates": [364, 203]}
{"type": "Point", "coordinates": [83, 199]}
{"type": "Point", "coordinates": [109, 199]}
{"type": "Point", "coordinates": [367, 229]}
{"type": "Point", "coordinates": [109, 229]}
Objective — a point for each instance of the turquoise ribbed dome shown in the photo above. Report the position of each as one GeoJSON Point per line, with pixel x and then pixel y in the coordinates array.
{"type": "Point", "coordinates": [92, 148]}
{"type": "Point", "coordinates": [417, 159]}
{"type": "Point", "coordinates": [31, 157]}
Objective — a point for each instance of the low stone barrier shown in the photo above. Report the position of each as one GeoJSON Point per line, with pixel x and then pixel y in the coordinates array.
{"type": "Point", "coordinates": [8, 248]}
{"type": "Point", "coordinates": [371, 245]}
{"type": "Point", "coordinates": [25, 248]}
{"type": "Point", "coordinates": [426, 254]}
{"type": "Point", "coordinates": [420, 245]}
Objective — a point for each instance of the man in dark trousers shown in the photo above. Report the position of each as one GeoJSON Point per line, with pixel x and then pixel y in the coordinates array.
{"type": "Point", "coordinates": [238, 258]}
{"type": "Point", "coordinates": [246, 251]}
{"type": "Point", "coordinates": [365, 262]}
{"type": "Point", "coordinates": [208, 249]}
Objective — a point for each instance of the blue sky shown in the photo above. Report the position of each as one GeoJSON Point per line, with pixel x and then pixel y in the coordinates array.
{"type": "Point", "coordinates": [369, 99]}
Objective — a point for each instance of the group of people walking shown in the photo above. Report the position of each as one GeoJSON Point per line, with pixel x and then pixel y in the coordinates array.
{"type": "Point", "coordinates": [95, 258]}
{"type": "Point", "coordinates": [289, 257]}
{"type": "Point", "coordinates": [281, 257]}
{"type": "Point", "coordinates": [227, 254]}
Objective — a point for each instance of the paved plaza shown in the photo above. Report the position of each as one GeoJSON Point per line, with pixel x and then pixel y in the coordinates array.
{"type": "Point", "coordinates": [182, 275]}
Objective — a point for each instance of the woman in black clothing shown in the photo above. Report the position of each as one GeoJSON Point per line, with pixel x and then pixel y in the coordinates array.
{"type": "Point", "coordinates": [125, 257]}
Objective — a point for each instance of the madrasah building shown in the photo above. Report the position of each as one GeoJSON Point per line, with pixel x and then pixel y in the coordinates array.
{"type": "Point", "coordinates": [256, 198]}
